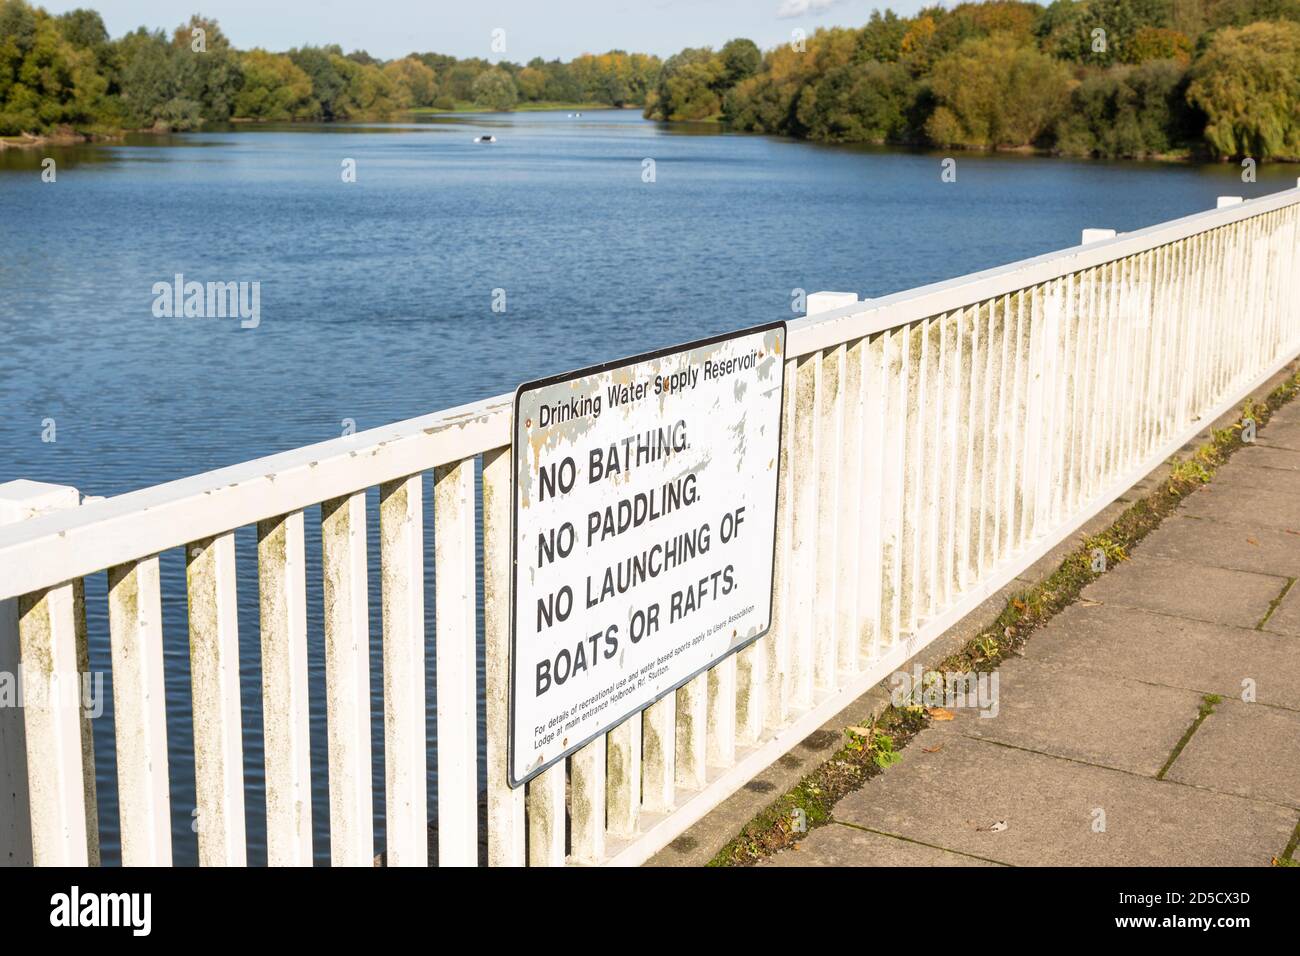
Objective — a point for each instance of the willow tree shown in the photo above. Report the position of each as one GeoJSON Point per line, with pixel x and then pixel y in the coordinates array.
{"type": "Point", "coordinates": [1248, 84]}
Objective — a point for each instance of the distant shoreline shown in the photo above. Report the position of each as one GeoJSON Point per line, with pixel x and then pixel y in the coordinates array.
{"type": "Point", "coordinates": [70, 137]}
{"type": "Point", "coordinates": [61, 138]}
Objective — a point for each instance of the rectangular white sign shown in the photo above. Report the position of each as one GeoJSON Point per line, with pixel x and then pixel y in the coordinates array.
{"type": "Point", "coordinates": [643, 530]}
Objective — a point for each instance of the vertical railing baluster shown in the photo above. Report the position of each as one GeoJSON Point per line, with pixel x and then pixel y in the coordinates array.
{"type": "Point", "coordinates": [930, 583]}
{"type": "Point", "coordinates": [623, 777]}
{"type": "Point", "coordinates": [659, 749]}
{"type": "Point", "coordinates": [455, 656]}
{"type": "Point", "coordinates": [401, 548]}
{"type": "Point", "coordinates": [347, 679]}
{"type": "Point", "coordinates": [751, 692]}
{"type": "Point", "coordinates": [896, 447]}
{"type": "Point", "coordinates": [55, 777]}
{"type": "Point", "coordinates": [506, 817]}
{"type": "Point", "coordinates": [587, 782]}
{"type": "Point", "coordinates": [282, 587]}
{"type": "Point", "coordinates": [1018, 325]}
{"type": "Point", "coordinates": [913, 489]}
{"type": "Point", "coordinates": [546, 816]}
{"type": "Point", "coordinates": [214, 677]}
{"type": "Point", "coordinates": [871, 494]}
{"type": "Point", "coordinates": [828, 445]}
{"type": "Point", "coordinates": [971, 454]}
{"type": "Point", "coordinates": [805, 532]}
{"type": "Point", "coordinates": [140, 713]}
{"type": "Point", "coordinates": [991, 449]}
{"type": "Point", "coordinates": [780, 636]}
{"type": "Point", "coordinates": [692, 715]}
{"type": "Point", "coordinates": [954, 373]}
{"type": "Point", "coordinates": [850, 494]}
{"type": "Point", "coordinates": [720, 744]}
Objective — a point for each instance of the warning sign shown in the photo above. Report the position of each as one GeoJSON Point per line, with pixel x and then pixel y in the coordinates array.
{"type": "Point", "coordinates": [643, 531]}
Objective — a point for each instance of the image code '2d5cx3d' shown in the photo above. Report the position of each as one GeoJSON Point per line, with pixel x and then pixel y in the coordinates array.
{"type": "Point", "coordinates": [644, 525]}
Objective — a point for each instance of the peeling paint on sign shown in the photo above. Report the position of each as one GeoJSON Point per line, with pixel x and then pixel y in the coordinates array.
{"type": "Point", "coordinates": [643, 529]}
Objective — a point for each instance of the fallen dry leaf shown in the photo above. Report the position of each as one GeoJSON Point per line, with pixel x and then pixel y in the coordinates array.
{"type": "Point", "coordinates": [932, 750]}
{"type": "Point", "coordinates": [1252, 541]}
{"type": "Point", "coordinates": [938, 713]}
{"type": "Point", "coordinates": [860, 731]}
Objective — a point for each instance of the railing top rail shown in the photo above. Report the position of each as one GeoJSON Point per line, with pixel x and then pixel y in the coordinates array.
{"type": "Point", "coordinates": [844, 324]}
{"type": "Point", "coordinates": [57, 547]}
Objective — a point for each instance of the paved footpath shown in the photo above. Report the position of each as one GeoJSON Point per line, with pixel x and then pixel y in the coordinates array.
{"type": "Point", "coordinates": [1082, 761]}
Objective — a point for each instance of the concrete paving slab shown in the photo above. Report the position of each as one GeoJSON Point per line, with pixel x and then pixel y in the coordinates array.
{"type": "Point", "coordinates": [710, 834]}
{"type": "Point", "coordinates": [1248, 479]}
{"type": "Point", "coordinates": [1268, 456]}
{"type": "Point", "coordinates": [1174, 652]}
{"type": "Point", "coordinates": [1244, 547]}
{"type": "Point", "coordinates": [1247, 749]}
{"type": "Point", "coordinates": [1183, 589]}
{"type": "Point", "coordinates": [1270, 508]}
{"type": "Point", "coordinates": [840, 845]}
{"type": "Point", "coordinates": [1285, 619]}
{"type": "Point", "coordinates": [1085, 715]}
{"type": "Point", "coordinates": [1281, 432]}
{"type": "Point", "coordinates": [1049, 805]}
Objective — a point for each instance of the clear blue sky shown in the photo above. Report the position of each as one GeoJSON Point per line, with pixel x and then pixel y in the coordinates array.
{"type": "Point", "coordinates": [547, 28]}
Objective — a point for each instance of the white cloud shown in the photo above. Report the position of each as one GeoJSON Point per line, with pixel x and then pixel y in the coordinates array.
{"type": "Point", "coordinates": [799, 8]}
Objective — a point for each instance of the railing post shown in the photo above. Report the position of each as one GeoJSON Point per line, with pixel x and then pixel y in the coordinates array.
{"type": "Point", "coordinates": [1096, 235]}
{"type": "Point", "coordinates": [47, 800]}
{"type": "Point", "coordinates": [819, 302]}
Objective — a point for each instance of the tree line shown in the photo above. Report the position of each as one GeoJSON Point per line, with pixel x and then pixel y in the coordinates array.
{"type": "Point", "coordinates": [65, 72]}
{"type": "Point", "coordinates": [1109, 78]}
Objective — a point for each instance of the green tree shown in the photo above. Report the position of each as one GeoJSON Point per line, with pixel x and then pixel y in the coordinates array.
{"type": "Point", "coordinates": [1129, 111]}
{"type": "Point", "coordinates": [1066, 29]}
{"type": "Point", "coordinates": [495, 90]}
{"type": "Point", "coordinates": [152, 90]}
{"type": "Point", "coordinates": [414, 83]}
{"type": "Point", "coordinates": [1239, 13]}
{"type": "Point", "coordinates": [996, 91]}
{"type": "Point", "coordinates": [274, 88]}
{"type": "Point", "coordinates": [688, 88]}
{"type": "Point", "coordinates": [882, 38]}
{"type": "Point", "coordinates": [207, 67]}
{"type": "Point", "coordinates": [45, 81]}
{"type": "Point", "coordinates": [863, 103]}
{"type": "Point", "coordinates": [1248, 84]}
{"type": "Point", "coordinates": [328, 86]}
{"type": "Point", "coordinates": [741, 59]}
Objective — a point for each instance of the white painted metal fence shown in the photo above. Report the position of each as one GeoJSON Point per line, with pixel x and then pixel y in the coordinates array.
{"type": "Point", "coordinates": [936, 443]}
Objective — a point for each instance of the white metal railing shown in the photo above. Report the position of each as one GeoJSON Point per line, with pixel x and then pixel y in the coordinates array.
{"type": "Point", "coordinates": [936, 443]}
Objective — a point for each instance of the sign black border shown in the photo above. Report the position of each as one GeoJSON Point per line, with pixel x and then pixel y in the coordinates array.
{"type": "Point", "coordinates": [514, 538]}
